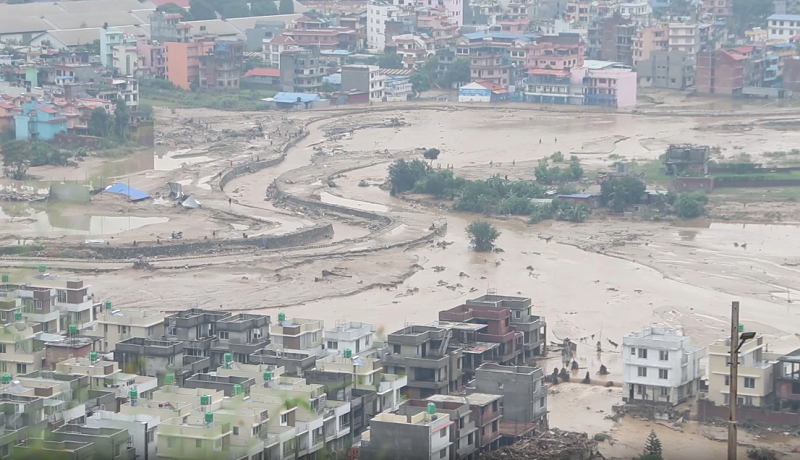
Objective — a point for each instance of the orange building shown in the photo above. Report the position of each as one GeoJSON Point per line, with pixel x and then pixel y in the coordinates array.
{"type": "Point", "coordinates": [183, 62]}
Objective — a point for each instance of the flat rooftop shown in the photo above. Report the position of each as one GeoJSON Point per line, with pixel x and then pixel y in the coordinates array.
{"type": "Point", "coordinates": [457, 325]}
{"type": "Point", "coordinates": [664, 334]}
{"type": "Point", "coordinates": [480, 399]}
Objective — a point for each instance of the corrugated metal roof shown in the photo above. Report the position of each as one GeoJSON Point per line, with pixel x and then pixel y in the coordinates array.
{"type": "Point", "coordinates": [291, 98]}
{"type": "Point", "coordinates": [784, 17]}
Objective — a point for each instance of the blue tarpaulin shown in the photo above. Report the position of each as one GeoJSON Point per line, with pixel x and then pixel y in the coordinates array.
{"type": "Point", "coordinates": [130, 192]}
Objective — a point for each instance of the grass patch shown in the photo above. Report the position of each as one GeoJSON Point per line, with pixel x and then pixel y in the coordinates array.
{"type": "Point", "coordinates": [158, 93]}
{"type": "Point", "coordinates": [654, 171]}
{"type": "Point", "coordinates": [159, 102]}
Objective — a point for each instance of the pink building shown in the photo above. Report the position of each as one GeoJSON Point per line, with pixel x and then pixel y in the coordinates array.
{"type": "Point", "coordinates": [609, 87]}
{"type": "Point", "coordinates": [153, 55]}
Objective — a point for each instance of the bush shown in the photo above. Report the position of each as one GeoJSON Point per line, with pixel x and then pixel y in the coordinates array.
{"type": "Point", "coordinates": [482, 235]}
{"type": "Point", "coordinates": [405, 174]}
{"type": "Point", "coordinates": [690, 205]}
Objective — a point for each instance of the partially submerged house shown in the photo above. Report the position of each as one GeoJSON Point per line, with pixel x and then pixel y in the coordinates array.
{"type": "Point", "coordinates": [686, 159]}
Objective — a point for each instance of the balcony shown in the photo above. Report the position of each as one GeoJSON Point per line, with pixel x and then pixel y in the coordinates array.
{"type": "Point", "coordinates": [195, 364]}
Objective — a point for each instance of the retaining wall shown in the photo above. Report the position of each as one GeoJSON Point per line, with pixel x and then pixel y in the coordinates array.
{"type": "Point", "coordinates": [756, 183]}
{"type": "Point", "coordinates": [248, 168]}
{"type": "Point", "coordinates": [334, 208]}
{"type": "Point", "coordinates": [707, 411]}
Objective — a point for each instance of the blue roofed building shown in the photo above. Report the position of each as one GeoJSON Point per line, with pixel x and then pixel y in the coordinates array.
{"type": "Point", "coordinates": [296, 101]}
{"type": "Point", "coordinates": [783, 26]}
{"type": "Point", "coordinates": [39, 122]}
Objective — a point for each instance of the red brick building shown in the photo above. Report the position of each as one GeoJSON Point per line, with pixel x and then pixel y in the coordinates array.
{"type": "Point", "coordinates": [720, 72]}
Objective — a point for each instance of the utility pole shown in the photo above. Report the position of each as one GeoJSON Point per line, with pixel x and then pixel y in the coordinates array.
{"type": "Point", "coordinates": [734, 381]}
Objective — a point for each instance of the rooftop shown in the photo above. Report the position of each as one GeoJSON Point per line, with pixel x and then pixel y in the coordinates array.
{"type": "Point", "coordinates": [784, 17]}
{"type": "Point", "coordinates": [478, 399]}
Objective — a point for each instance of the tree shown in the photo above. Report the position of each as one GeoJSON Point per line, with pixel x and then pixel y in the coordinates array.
{"type": "Point", "coordinates": [171, 8]}
{"type": "Point", "coordinates": [8, 134]}
{"type": "Point", "coordinates": [17, 158]}
{"type": "Point", "coordinates": [121, 117]}
{"type": "Point", "coordinates": [420, 82]}
{"type": "Point", "coordinates": [690, 205]}
{"type": "Point", "coordinates": [431, 154]}
{"type": "Point", "coordinates": [263, 8]}
{"type": "Point", "coordinates": [458, 72]}
{"type": "Point", "coordinates": [652, 448]}
{"type": "Point", "coordinates": [404, 174]}
{"type": "Point", "coordinates": [482, 235]}
{"type": "Point", "coordinates": [234, 9]}
{"type": "Point", "coordinates": [146, 110]}
{"type": "Point", "coordinates": [100, 123]}
{"type": "Point", "coordinates": [201, 10]}
{"type": "Point", "coordinates": [390, 61]}
{"type": "Point", "coordinates": [621, 192]}
{"type": "Point", "coordinates": [286, 7]}
{"type": "Point", "coordinates": [577, 213]}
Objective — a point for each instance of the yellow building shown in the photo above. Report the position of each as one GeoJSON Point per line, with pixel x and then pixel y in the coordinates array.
{"type": "Point", "coordinates": [756, 368]}
{"type": "Point", "coordinates": [114, 326]}
{"type": "Point", "coordinates": [126, 59]}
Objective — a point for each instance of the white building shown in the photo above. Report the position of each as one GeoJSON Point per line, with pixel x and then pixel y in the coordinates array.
{"type": "Point", "coordinates": [783, 26]}
{"type": "Point", "coordinates": [638, 12]}
{"type": "Point", "coordinates": [349, 335]}
{"type": "Point", "coordinates": [364, 78]}
{"type": "Point", "coordinates": [377, 15]}
{"type": "Point", "coordinates": [141, 428]}
{"type": "Point", "coordinates": [274, 46]}
{"type": "Point", "coordinates": [660, 366]}
{"type": "Point", "coordinates": [683, 37]}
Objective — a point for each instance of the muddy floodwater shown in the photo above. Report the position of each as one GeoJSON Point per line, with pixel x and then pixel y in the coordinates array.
{"type": "Point", "coordinates": [596, 281]}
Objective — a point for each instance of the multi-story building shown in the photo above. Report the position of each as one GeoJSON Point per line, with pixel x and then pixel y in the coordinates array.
{"type": "Point", "coordinates": [463, 436]}
{"type": "Point", "coordinates": [297, 335]}
{"type": "Point", "coordinates": [378, 13]}
{"type": "Point", "coordinates": [39, 122]}
{"type": "Point", "coordinates": [647, 40]}
{"type": "Point", "coordinates": [756, 373]}
{"type": "Point", "coordinates": [183, 62]}
{"type": "Point", "coordinates": [425, 435]}
{"type": "Point", "coordinates": [107, 442]}
{"type": "Point", "coordinates": [241, 335]}
{"type": "Point", "coordinates": [17, 353]}
{"type": "Point", "coordinates": [432, 364]}
{"type": "Point", "coordinates": [578, 11]}
{"type": "Point", "coordinates": [666, 69]}
{"type": "Point", "coordinates": [486, 414]}
{"type": "Point", "coordinates": [140, 427]}
{"type": "Point", "coordinates": [523, 389]}
{"type": "Point", "coordinates": [274, 46]}
{"type": "Point", "coordinates": [719, 72]}
{"type": "Point", "coordinates": [111, 37]}
{"type": "Point", "coordinates": [490, 54]}
{"type": "Point", "coordinates": [302, 70]}
{"type": "Point", "coordinates": [660, 366]}
{"type": "Point", "coordinates": [196, 328]}
{"type": "Point", "coordinates": [106, 374]}
{"type": "Point", "coordinates": [327, 38]}
{"type": "Point", "coordinates": [414, 50]}
{"type": "Point", "coordinates": [364, 79]}
{"type": "Point", "coordinates": [684, 36]}
{"type": "Point", "coordinates": [554, 86]}
{"type": "Point", "coordinates": [442, 28]}
{"type": "Point", "coordinates": [787, 381]}
{"type": "Point", "coordinates": [222, 65]}
{"type": "Point", "coordinates": [125, 59]}
{"type": "Point", "coordinates": [783, 26]}
{"type": "Point", "coordinates": [533, 327]}
{"type": "Point", "coordinates": [167, 27]}
{"type": "Point", "coordinates": [114, 326]}
{"type": "Point", "coordinates": [607, 85]}
{"type": "Point", "coordinates": [349, 335]}
{"type": "Point", "coordinates": [607, 40]}
{"type": "Point", "coordinates": [716, 10]}
{"type": "Point", "coordinates": [154, 57]}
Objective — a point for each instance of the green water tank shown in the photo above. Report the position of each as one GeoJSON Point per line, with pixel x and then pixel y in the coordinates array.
{"type": "Point", "coordinates": [6, 379]}
{"type": "Point", "coordinates": [348, 353]}
{"type": "Point", "coordinates": [108, 305]}
{"type": "Point", "coordinates": [169, 379]}
{"type": "Point", "coordinates": [93, 356]}
{"type": "Point", "coordinates": [237, 389]}
{"type": "Point", "coordinates": [281, 317]}
{"type": "Point", "coordinates": [17, 315]}
{"type": "Point", "coordinates": [741, 327]}
{"type": "Point", "coordinates": [209, 417]}
{"type": "Point", "coordinates": [205, 400]}
{"type": "Point", "coordinates": [431, 408]}
{"type": "Point", "coordinates": [5, 277]}
{"type": "Point", "coordinates": [42, 268]}
{"type": "Point", "coordinates": [133, 394]}
{"type": "Point", "coordinates": [267, 376]}
{"type": "Point", "coordinates": [73, 328]}
{"type": "Point", "coordinates": [228, 357]}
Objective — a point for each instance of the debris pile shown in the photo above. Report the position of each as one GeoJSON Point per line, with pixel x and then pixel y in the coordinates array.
{"type": "Point", "coordinates": [760, 453]}
{"type": "Point", "coordinates": [550, 445]}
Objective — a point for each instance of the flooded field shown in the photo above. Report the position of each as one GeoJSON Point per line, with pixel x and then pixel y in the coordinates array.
{"type": "Point", "coordinates": [599, 280]}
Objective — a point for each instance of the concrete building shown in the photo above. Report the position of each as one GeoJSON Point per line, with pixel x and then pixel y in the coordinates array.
{"type": "Point", "coordinates": [196, 328]}
{"type": "Point", "coordinates": [606, 85]}
{"type": "Point", "coordinates": [378, 13]}
{"type": "Point", "coordinates": [126, 60]}
{"type": "Point", "coordinates": [168, 27]}
{"type": "Point", "coordinates": [221, 66]}
{"type": "Point", "coordinates": [660, 366]}
{"type": "Point", "coordinates": [39, 122]}
{"type": "Point", "coordinates": [684, 36]}
{"type": "Point", "coordinates": [783, 26]}
{"type": "Point", "coordinates": [230, 385]}
{"type": "Point", "coordinates": [17, 352]}
{"type": "Point", "coordinates": [261, 32]}
{"type": "Point", "coordinates": [154, 57]}
{"type": "Point", "coordinates": [149, 357]}
{"type": "Point", "coordinates": [646, 40]}
{"type": "Point", "coordinates": [111, 37]}
{"type": "Point", "coordinates": [464, 432]}
{"type": "Point", "coordinates": [107, 442]}
{"type": "Point", "coordinates": [274, 46]}
{"type": "Point", "coordinates": [787, 381]}
{"type": "Point", "coordinates": [183, 62]}
{"type": "Point", "coordinates": [140, 427]}
{"type": "Point", "coordinates": [720, 72]}
{"type": "Point", "coordinates": [533, 327]}
{"type": "Point", "coordinates": [425, 435]}
{"type": "Point", "coordinates": [786, 6]}
{"type": "Point", "coordinates": [302, 71]}
{"type": "Point", "coordinates": [113, 326]}
{"type": "Point", "coordinates": [666, 69]}
{"type": "Point", "coordinates": [364, 78]}
{"type": "Point", "coordinates": [241, 335]}
{"type": "Point", "coordinates": [524, 395]}
{"type": "Point", "coordinates": [294, 363]}
{"type": "Point", "coordinates": [107, 375]}
{"type": "Point", "coordinates": [756, 373]}
{"type": "Point", "coordinates": [433, 365]}
{"type": "Point", "coordinates": [297, 335]}
{"type": "Point", "coordinates": [486, 415]}
{"type": "Point", "coordinates": [350, 335]}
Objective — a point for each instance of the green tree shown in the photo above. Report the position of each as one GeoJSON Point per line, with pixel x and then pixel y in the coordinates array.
{"type": "Point", "coordinates": [121, 118]}
{"type": "Point", "coordinates": [8, 134]}
{"type": "Point", "coordinates": [100, 123]}
{"type": "Point", "coordinates": [575, 169]}
{"type": "Point", "coordinates": [146, 110]}
{"type": "Point", "coordinates": [652, 448]}
{"type": "Point", "coordinates": [234, 9]}
{"type": "Point", "coordinates": [201, 10]}
{"type": "Point", "coordinates": [690, 205]}
{"type": "Point", "coordinates": [482, 235]}
{"type": "Point", "coordinates": [431, 154]}
{"type": "Point", "coordinates": [263, 8]}
{"type": "Point", "coordinates": [576, 213]}
{"type": "Point", "coordinates": [286, 7]}
{"type": "Point", "coordinates": [542, 172]}
{"type": "Point", "coordinates": [404, 174]}
{"type": "Point", "coordinates": [40, 153]}
{"type": "Point", "coordinates": [420, 82]}
{"type": "Point", "coordinates": [172, 8]}
{"type": "Point", "coordinates": [458, 72]}
{"type": "Point", "coordinates": [390, 61]}
{"type": "Point", "coordinates": [17, 158]}
{"type": "Point", "coordinates": [515, 205]}
{"type": "Point", "coordinates": [621, 192]}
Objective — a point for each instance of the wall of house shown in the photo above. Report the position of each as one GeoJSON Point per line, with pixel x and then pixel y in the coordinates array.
{"type": "Point", "coordinates": [178, 64]}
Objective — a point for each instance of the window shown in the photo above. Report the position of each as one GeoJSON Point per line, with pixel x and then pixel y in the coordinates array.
{"type": "Point", "coordinates": [2, 315]}
{"type": "Point", "coordinates": [541, 402]}
{"type": "Point", "coordinates": [663, 374]}
{"type": "Point", "coordinates": [171, 442]}
{"type": "Point", "coordinates": [726, 398]}
{"type": "Point", "coordinates": [633, 351]}
{"type": "Point", "coordinates": [2, 348]}
{"type": "Point", "coordinates": [749, 382]}
{"type": "Point", "coordinates": [223, 335]}
{"type": "Point", "coordinates": [218, 444]}
{"type": "Point", "coordinates": [642, 371]}
{"type": "Point", "coordinates": [727, 380]}
{"type": "Point", "coordinates": [443, 432]}
{"type": "Point", "coordinates": [664, 391]}
{"type": "Point", "coordinates": [198, 443]}
{"type": "Point", "coordinates": [499, 385]}
{"type": "Point", "coordinates": [641, 389]}
{"type": "Point", "coordinates": [284, 419]}
{"type": "Point", "coordinates": [663, 355]}
{"type": "Point", "coordinates": [22, 368]}
{"type": "Point", "coordinates": [151, 435]}
{"type": "Point", "coordinates": [443, 453]}
{"type": "Point", "coordinates": [235, 431]}
{"type": "Point", "coordinates": [396, 349]}
{"type": "Point", "coordinates": [256, 430]}
{"type": "Point", "coordinates": [748, 400]}
{"type": "Point", "coordinates": [643, 353]}
{"type": "Point", "coordinates": [333, 345]}
{"type": "Point", "coordinates": [517, 314]}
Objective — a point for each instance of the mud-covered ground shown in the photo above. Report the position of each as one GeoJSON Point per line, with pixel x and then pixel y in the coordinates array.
{"type": "Point", "coordinates": [604, 278]}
